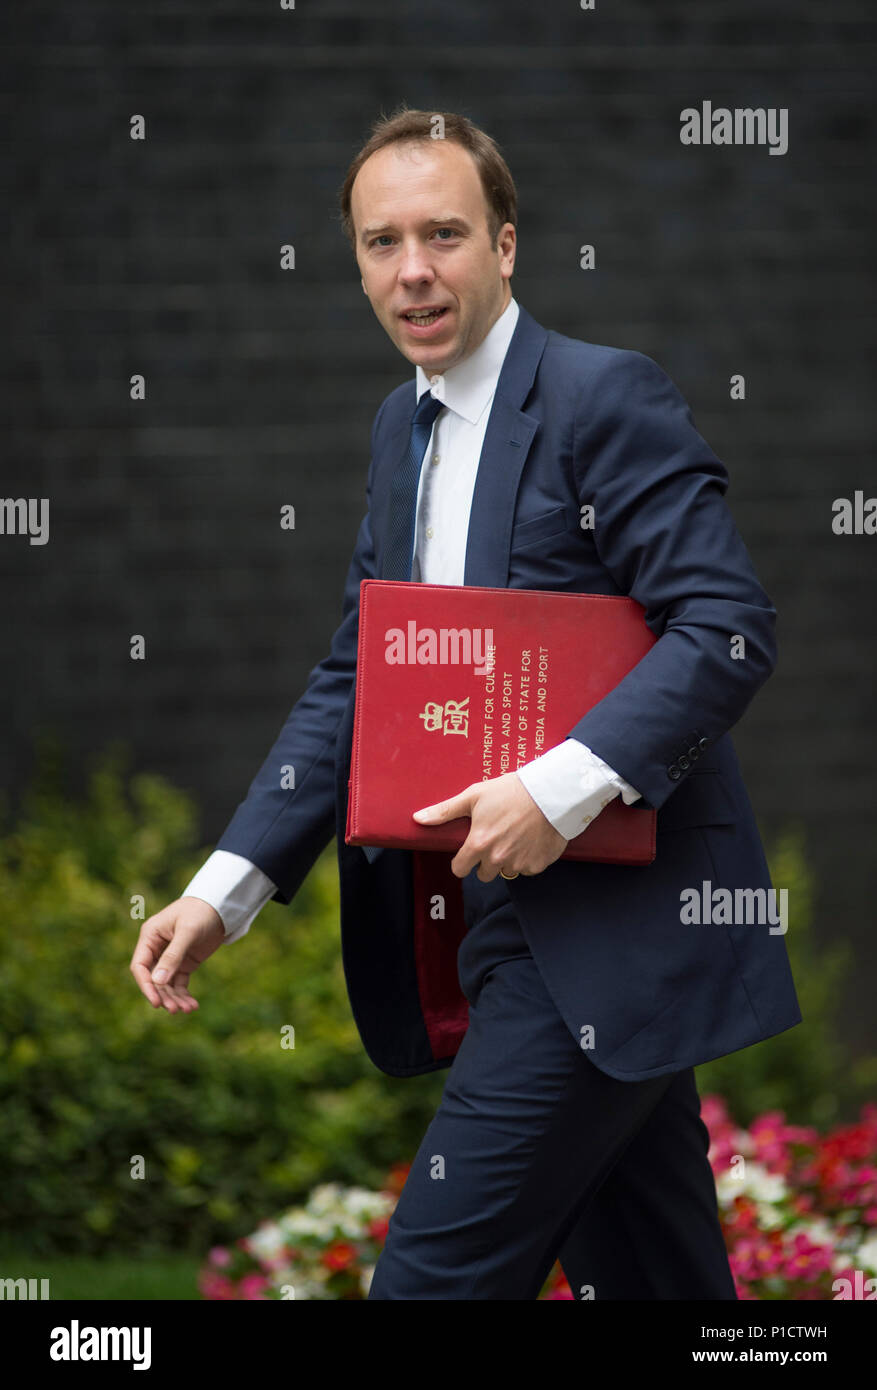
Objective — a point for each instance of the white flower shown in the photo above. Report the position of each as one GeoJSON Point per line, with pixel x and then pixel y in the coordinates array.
{"type": "Point", "coordinates": [331, 1211]}
{"type": "Point", "coordinates": [267, 1241]}
{"type": "Point", "coordinates": [866, 1255]}
{"type": "Point", "coordinates": [365, 1279]}
{"type": "Point", "coordinates": [358, 1201]}
{"type": "Point", "coordinates": [756, 1183]}
{"type": "Point", "coordinates": [360, 1208]}
{"type": "Point", "coordinates": [767, 1216]}
{"type": "Point", "coordinates": [817, 1231]}
{"type": "Point", "coordinates": [351, 1228]}
{"type": "Point", "coordinates": [325, 1198]}
{"type": "Point", "coordinates": [303, 1223]}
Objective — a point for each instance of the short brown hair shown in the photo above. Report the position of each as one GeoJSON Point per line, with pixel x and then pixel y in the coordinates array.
{"type": "Point", "coordinates": [407, 124]}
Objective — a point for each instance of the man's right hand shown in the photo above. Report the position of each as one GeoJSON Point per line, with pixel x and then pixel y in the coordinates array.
{"type": "Point", "coordinates": [176, 940]}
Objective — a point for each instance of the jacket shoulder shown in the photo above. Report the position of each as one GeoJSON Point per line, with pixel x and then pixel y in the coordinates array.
{"type": "Point", "coordinates": [395, 408]}
{"type": "Point", "coordinates": [579, 360]}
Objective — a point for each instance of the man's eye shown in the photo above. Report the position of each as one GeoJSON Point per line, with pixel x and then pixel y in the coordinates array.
{"type": "Point", "coordinates": [383, 238]}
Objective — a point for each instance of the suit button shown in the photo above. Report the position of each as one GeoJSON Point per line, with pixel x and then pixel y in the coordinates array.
{"type": "Point", "coordinates": [683, 761]}
{"type": "Point", "coordinates": [702, 743]}
{"type": "Point", "coordinates": [674, 773]}
{"type": "Point", "coordinates": [694, 752]}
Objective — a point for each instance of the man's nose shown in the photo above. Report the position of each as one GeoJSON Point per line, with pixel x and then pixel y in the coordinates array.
{"type": "Point", "coordinates": [415, 264]}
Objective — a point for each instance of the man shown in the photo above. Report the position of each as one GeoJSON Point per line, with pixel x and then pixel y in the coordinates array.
{"type": "Point", "coordinates": [581, 996]}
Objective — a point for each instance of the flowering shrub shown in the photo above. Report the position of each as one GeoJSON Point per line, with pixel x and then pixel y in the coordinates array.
{"type": "Point", "coordinates": [326, 1249]}
{"type": "Point", "coordinates": [798, 1211]}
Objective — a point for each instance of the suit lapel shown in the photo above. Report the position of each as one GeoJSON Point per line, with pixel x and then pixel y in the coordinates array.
{"type": "Point", "coordinates": [506, 444]}
{"type": "Point", "coordinates": [396, 449]}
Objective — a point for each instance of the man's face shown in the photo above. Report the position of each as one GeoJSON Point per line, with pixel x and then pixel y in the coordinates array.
{"type": "Point", "coordinates": [422, 243]}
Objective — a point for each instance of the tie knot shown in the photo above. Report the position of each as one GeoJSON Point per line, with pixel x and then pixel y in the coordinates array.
{"type": "Point", "coordinates": [427, 409]}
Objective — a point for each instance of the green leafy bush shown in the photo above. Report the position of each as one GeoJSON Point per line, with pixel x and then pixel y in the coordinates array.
{"type": "Point", "coordinates": [230, 1125]}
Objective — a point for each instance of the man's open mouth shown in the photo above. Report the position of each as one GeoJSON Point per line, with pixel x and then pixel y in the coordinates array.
{"type": "Point", "coordinates": [424, 317]}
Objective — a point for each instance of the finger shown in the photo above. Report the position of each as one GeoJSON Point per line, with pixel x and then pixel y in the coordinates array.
{"type": "Point", "coordinates": [471, 851]}
{"type": "Point", "coordinates": [181, 989]}
{"type": "Point", "coordinates": [171, 960]}
{"type": "Point", "coordinates": [454, 806]}
{"type": "Point", "coordinates": [146, 953]}
{"type": "Point", "coordinates": [181, 998]}
{"type": "Point", "coordinates": [465, 859]}
{"type": "Point", "coordinates": [143, 977]}
{"type": "Point", "coordinates": [147, 950]}
{"type": "Point", "coordinates": [167, 1002]}
{"type": "Point", "coordinates": [170, 999]}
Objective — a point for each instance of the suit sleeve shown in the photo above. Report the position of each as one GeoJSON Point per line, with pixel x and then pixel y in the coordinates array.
{"type": "Point", "coordinates": [283, 829]}
{"type": "Point", "coordinates": [664, 533]}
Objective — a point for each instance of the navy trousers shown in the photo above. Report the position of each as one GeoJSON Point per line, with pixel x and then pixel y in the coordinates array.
{"type": "Point", "coordinates": [534, 1155]}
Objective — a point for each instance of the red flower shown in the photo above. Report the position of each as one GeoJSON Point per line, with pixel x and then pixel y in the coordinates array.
{"type": "Point", "coordinates": [396, 1178]}
{"type": "Point", "coordinates": [340, 1255]}
{"type": "Point", "coordinates": [378, 1228]}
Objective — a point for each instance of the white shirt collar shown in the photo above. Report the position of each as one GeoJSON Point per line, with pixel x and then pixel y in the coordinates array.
{"type": "Point", "coordinates": [469, 385]}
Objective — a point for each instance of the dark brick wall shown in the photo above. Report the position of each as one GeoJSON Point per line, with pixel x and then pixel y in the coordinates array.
{"type": "Point", "coordinates": [162, 257]}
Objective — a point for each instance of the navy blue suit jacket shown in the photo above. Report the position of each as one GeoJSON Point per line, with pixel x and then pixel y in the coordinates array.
{"type": "Point", "coordinates": [571, 423]}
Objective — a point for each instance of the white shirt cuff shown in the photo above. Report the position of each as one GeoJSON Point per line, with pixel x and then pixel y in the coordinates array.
{"type": "Point", "coordinates": [571, 786]}
{"type": "Point", "coordinates": [237, 889]}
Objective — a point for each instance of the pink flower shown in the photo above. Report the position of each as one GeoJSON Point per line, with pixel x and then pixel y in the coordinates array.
{"type": "Point", "coordinates": [216, 1287]}
{"type": "Point", "coordinates": [252, 1286]}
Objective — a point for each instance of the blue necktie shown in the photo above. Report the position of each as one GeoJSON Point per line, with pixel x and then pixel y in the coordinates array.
{"type": "Point", "coordinates": [399, 552]}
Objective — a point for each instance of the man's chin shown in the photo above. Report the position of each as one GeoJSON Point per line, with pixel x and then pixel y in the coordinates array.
{"type": "Point", "coordinates": [431, 358]}
{"type": "Point", "coordinates": [429, 361]}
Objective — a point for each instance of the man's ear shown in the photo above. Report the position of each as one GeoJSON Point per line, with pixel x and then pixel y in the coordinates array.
{"type": "Point", "coordinates": [362, 282]}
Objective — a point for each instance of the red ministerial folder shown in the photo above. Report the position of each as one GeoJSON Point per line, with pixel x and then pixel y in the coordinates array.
{"type": "Point", "coordinates": [458, 683]}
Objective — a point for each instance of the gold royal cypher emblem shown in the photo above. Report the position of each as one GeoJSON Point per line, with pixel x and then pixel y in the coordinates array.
{"type": "Point", "coordinates": [452, 717]}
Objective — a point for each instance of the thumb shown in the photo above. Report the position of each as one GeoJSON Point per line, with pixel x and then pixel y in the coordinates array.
{"type": "Point", "coordinates": [459, 805]}
{"type": "Point", "coordinates": [170, 960]}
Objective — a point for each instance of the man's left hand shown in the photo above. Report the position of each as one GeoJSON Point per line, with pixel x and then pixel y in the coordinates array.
{"type": "Point", "coordinates": [508, 830]}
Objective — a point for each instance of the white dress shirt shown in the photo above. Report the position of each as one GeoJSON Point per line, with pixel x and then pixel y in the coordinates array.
{"type": "Point", "coordinates": [569, 783]}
